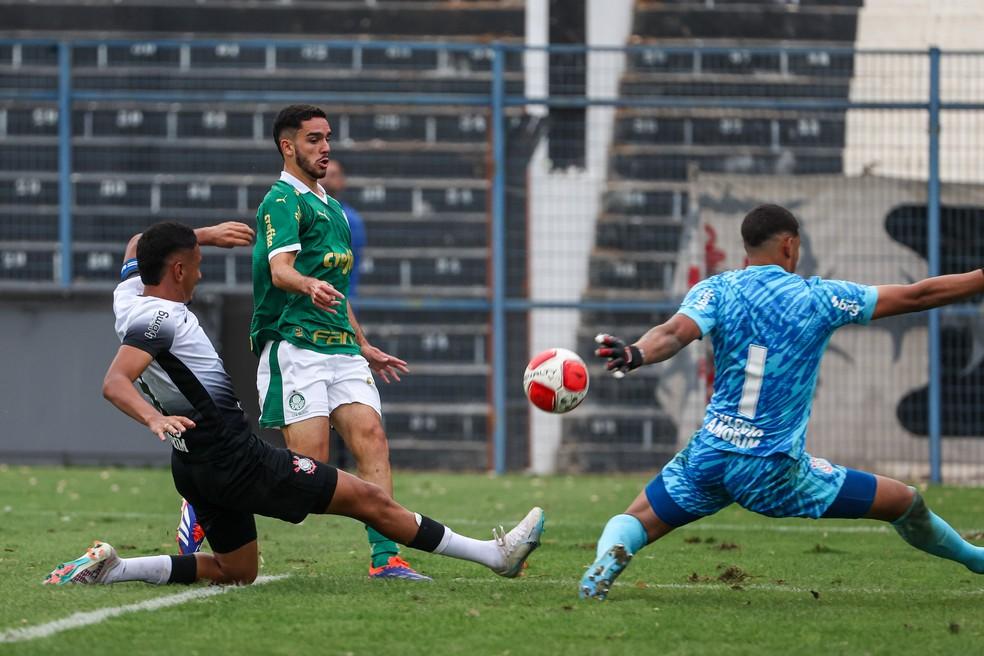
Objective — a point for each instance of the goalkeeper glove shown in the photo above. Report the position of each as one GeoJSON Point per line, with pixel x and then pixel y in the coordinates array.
{"type": "Point", "coordinates": [622, 358]}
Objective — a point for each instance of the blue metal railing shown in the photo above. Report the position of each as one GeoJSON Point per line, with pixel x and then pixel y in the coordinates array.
{"type": "Point", "coordinates": [498, 101]}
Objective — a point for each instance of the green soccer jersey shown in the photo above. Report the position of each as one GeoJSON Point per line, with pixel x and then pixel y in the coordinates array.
{"type": "Point", "coordinates": [292, 218]}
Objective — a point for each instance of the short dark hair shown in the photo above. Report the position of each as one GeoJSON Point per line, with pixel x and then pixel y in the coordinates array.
{"type": "Point", "coordinates": [159, 242]}
{"type": "Point", "coordinates": [291, 117]}
{"type": "Point", "coordinates": [765, 222]}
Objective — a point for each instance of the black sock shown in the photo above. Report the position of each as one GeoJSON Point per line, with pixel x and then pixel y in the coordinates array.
{"type": "Point", "coordinates": [184, 569]}
{"type": "Point", "coordinates": [429, 535]}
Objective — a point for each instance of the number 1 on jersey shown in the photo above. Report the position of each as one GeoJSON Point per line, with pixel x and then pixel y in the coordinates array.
{"type": "Point", "coordinates": [754, 371]}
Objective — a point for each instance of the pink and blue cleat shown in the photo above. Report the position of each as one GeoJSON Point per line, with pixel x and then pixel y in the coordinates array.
{"type": "Point", "coordinates": [89, 568]}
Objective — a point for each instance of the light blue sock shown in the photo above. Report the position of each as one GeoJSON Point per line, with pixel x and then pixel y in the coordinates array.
{"type": "Point", "coordinates": [925, 530]}
{"type": "Point", "coordinates": [622, 529]}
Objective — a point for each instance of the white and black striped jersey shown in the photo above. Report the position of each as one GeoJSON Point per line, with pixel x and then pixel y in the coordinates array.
{"type": "Point", "coordinates": [186, 376]}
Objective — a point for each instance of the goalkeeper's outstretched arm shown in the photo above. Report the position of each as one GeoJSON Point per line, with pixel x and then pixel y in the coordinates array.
{"type": "Point", "coordinates": [659, 343]}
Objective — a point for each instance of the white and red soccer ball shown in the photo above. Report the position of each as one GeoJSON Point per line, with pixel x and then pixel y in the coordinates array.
{"type": "Point", "coordinates": [556, 380]}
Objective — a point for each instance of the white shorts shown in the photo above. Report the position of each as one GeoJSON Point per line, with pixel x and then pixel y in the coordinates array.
{"type": "Point", "coordinates": [296, 384]}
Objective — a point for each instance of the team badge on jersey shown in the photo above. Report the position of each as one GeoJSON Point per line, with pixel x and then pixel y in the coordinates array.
{"type": "Point", "coordinates": [296, 401]}
{"type": "Point", "coordinates": [821, 464]}
{"type": "Point", "coordinates": [305, 465]}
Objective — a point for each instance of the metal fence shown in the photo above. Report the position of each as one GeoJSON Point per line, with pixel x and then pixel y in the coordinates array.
{"type": "Point", "coordinates": [519, 198]}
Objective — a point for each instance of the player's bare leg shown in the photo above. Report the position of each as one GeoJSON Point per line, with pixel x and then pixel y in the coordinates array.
{"type": "Point", "coordinates": [623, 536]}
{"type": "Point", "coordinates": [905, 508]}
{"type": "Point", "coordinates": [369, 503]}
{"type": "Point", "coordinates": [309, 437]}
{"type": "Point", "coordinates": [362, 431]}
{"type": "Point", "coordinates": [239, 566]}
{"type": "Point", "coordinates": [100, 564]}
{"type": "Point", "coordinates": [363, 434]}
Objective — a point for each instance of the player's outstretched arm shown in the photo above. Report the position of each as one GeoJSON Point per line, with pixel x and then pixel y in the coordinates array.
{"type": "Point", "coordinates": [289, 279]}
{"type": "Point", "coordinates": [228, 234]}
{"type": "Point", "coordinates": [659, 343]}
{"type": "Point", "coordinates": [926, 294]}
{"type": "Point", "coordinates": [118, 389]}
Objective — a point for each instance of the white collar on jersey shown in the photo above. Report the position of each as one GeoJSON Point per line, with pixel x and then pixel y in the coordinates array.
{"type": "Point", "coordinates": [301, 187]}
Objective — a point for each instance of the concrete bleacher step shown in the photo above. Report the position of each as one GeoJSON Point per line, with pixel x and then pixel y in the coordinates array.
{"type": "Point", "coordinates": [627, 270]}
{"type": "Point", "coordinates": [645, 85]}
{"type": "Point", "coordinates": [631, 427]}
{"type": "Point", "coordinates": [638, 233]}
{"type": "Point", "coordinates": [775, 129]}
{"type": "Point", "coordinates": [739, 58]}
{"type": "Point", "coordinates": [435, 388]}
{"type": "Point", "coordinates": [605, 457]}
{"type": "Point", "coordinates": [467, 422]}
{"type": "Point", "coordinates": [766, 22]}
{"type": "Point", "coordinates": [752, 4]}
{"type": "Point", "coordinates": [633, 198]}
{"type": "Point", "coordinates": [179, 121]}
{"type": "Point", "coordinates": [259, 158]}
{"type": "Point", "coordinates": [455, 231]}
{"type": "Point", "coordinates": [428, 18]}
{"type": "Point", "coordinates": [433, 344]}
{"type": "Point", "coordinates": [321, 84]}
{"type": "Point", "coordinates": [402, 268]}
{"type": "Point", "coordinates": [670, 166]}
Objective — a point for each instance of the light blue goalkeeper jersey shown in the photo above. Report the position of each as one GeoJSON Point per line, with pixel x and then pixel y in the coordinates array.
{"type": "Point", "coordinates": [769, 329]}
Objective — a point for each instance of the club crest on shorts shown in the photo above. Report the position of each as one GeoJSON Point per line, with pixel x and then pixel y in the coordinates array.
{"type": "Point", "coordinates": [822, 465]}
{"type": "Point", "coordinates": [296, 401]}
{"type": "Point", "coordinates": [305, 465]}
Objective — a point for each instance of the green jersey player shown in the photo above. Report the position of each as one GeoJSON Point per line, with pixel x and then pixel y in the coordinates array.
{"type": "Point", "coordinates": [316, 364]}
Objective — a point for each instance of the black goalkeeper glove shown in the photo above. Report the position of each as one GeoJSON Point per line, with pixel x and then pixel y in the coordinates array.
{"type": "Point", "coordinates": [622, 358]}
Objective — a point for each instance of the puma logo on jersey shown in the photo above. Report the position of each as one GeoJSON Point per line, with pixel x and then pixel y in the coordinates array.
{"type": "Point", "coordinates": [320, 213]}
{"type": "Point", "coordinates": [284, 199]}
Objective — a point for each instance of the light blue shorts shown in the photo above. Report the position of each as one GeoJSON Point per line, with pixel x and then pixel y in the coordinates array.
{"type": "Point", "coordinates": [701, 480]}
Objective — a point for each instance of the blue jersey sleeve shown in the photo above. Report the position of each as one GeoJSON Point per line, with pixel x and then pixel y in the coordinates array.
{"type": "Point", "coordinates": [700, 304]}
{"type": "Point", "coordinates": [842, 302]}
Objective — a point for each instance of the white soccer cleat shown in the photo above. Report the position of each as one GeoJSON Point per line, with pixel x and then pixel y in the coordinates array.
{"type": "Point", "coordinates": [517, 545]}
{"type": "Point", "coordinates": [89, 568]}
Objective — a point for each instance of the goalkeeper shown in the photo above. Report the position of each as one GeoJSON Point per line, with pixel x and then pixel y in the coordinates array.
{"type": "Point", "coordinates": [769, 329]}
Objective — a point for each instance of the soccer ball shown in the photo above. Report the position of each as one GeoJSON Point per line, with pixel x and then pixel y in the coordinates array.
{"type": "Point", "coordinates": [556, 380]}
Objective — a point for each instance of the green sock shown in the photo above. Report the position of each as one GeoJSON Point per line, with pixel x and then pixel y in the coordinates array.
{"type": "Point", "coordinates": [382, 548]}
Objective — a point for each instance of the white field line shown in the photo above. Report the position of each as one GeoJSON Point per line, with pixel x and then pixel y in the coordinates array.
{"type": "Point", "coordinates": [78, 620]}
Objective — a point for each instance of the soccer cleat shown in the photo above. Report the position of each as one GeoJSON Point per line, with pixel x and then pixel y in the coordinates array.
{"type": "Point", "coordinates": [397, 568]}
{"type": "Point", "coordinates": [517, 545]}
{"type": "Point", "coordinates": [598, 580]}
{"type": "Point", "coordinates": [190, 533]}
{"type": "Point", "coordinates": [89, 568]}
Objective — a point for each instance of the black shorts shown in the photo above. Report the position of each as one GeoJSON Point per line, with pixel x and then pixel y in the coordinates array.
{"type": "Point", "coordinates": [230, 486]}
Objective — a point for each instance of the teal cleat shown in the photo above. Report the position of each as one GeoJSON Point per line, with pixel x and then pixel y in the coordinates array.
{"type": "Point", "coordinates": [598, 580]}
{"type": "Point", "coordinates": [89, 568]}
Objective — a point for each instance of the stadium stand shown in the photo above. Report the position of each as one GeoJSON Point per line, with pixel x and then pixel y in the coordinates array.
{"type": "Point", "coordinates": [419, 174]}
{"type": "Point", "coordinates": [638, 251]}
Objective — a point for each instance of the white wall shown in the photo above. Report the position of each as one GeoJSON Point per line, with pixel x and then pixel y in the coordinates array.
{"type": "Point", "coordinates": [564, 205]}
{"type": "Point", "coordinates": [895, 143]}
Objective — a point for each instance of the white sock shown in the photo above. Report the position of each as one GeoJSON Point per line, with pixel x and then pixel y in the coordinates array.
{"type": "Point", "coordinates": [485, 552]}
{"type": "Point", "coordinates": [152, 569]}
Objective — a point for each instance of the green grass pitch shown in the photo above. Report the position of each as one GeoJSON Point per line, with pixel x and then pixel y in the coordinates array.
{"type": "Point", "coordinates": [735, 583]}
